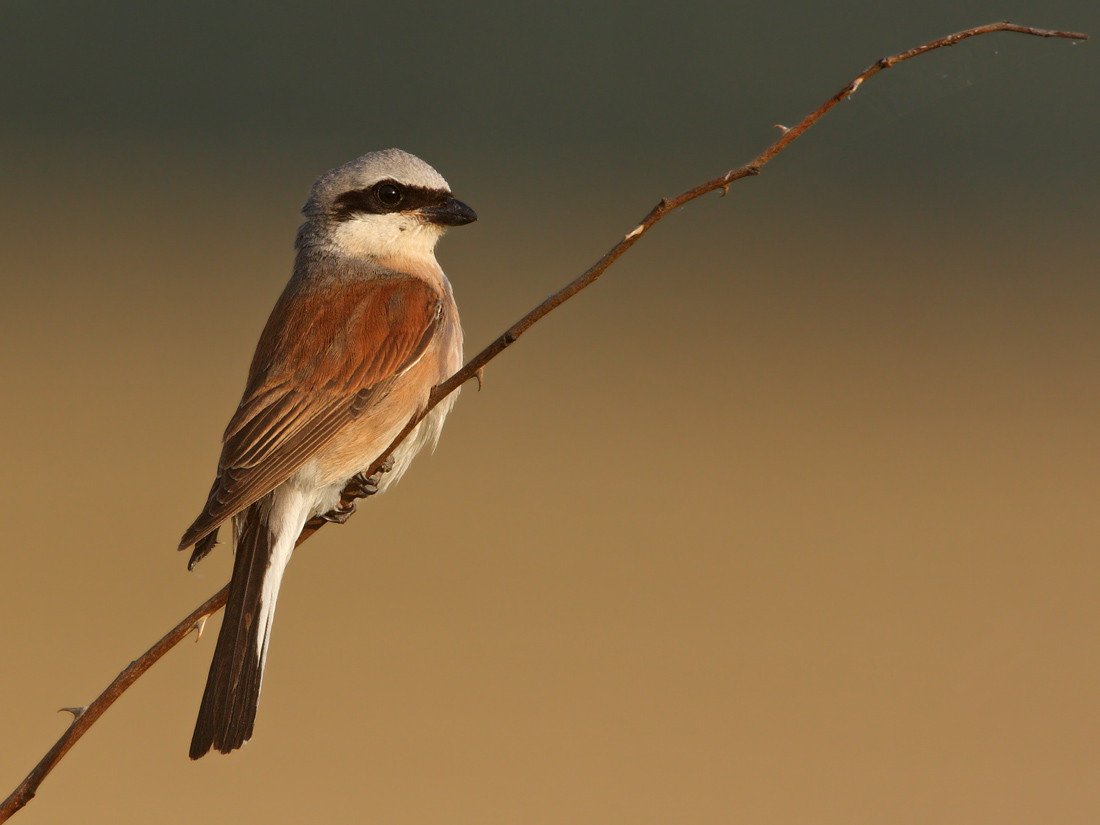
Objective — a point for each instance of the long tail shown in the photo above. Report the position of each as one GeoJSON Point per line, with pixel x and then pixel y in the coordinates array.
{"type": "Point", "coordinates": [228, 709]}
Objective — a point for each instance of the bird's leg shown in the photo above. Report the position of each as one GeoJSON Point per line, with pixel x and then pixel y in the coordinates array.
{"type": "Point", "coordinates": [338, 514]}
{"type": "Point", "coordinates": [361, 486]}
{"type": "Point", "coordinates": [358, 486]}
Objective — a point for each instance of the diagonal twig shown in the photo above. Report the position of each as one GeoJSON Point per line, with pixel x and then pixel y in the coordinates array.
{"type": "Point", "coordinates": [476, 364]}
{"type": "Point", "coordinates": [85, 717]}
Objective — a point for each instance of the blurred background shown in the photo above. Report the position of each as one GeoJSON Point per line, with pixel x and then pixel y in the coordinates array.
{"type": "Point", "coordinates": [792, 518]}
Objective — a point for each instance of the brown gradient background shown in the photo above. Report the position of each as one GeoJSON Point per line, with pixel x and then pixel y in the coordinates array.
{"type": "Point", "coordinates": [791, 519]}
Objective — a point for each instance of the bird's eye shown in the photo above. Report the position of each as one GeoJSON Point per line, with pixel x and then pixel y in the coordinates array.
{"type": "Point", "coordinates": [389, 195]}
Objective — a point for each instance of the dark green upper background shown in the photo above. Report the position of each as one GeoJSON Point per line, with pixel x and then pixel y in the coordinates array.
{"type": "Point", "coordinates": [665, 90]}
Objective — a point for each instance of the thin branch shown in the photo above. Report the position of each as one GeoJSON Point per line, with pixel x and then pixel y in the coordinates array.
{"type": "Point", "coordinates": [476, 364]}
{"type": "Point", "coordinates": [85, 717]}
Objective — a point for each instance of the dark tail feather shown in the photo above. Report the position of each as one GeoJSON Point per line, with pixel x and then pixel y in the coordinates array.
{"type": "Point", "coordinates": [228, 708]}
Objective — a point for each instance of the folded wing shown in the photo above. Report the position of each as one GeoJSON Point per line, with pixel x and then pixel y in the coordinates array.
{"type": "Point", "coordinates": [325, 353]}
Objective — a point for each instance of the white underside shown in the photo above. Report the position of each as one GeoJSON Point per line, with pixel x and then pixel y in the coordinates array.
{"type": "Point", "coordinates": [299, 499]}
{"type": "Point", "coordinates": [290, 509]}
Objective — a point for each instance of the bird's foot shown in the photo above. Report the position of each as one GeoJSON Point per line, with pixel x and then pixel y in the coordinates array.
{"type": "Point", "coordinates": [340, 513]}
{"type": "Point", "coordinates": [361, 486]}
{"type": "Point", "coordinates": [358, 486]}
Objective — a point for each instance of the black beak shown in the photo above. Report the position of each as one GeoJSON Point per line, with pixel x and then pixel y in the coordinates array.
{"type": "Point", "coordinates": [451, 212]}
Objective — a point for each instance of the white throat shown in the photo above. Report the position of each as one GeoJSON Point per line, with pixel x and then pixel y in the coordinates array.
{"type": "Point", "coordinates": [392, 236]}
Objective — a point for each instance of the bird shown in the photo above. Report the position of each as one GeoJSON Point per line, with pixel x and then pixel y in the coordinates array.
{"type": "Point", "coordinates": [366, 326]}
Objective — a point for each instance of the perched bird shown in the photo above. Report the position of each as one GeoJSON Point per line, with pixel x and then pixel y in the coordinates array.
{"type": "Point", "coordinates": [364, 329]}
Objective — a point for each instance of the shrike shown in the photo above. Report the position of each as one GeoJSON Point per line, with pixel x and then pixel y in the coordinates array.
{"type": "Point", "coordinates": [364, 329]}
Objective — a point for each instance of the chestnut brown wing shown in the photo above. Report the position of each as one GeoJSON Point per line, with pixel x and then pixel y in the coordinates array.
{"type": "Point", "coordinates": [324, 354]}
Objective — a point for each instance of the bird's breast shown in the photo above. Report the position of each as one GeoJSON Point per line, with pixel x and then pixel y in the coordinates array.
{"type": "Point", "coordinates": [362, 441]}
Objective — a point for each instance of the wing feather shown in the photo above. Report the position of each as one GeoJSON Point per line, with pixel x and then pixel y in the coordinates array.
{"type": "Point", "coordinates": [325, 353]}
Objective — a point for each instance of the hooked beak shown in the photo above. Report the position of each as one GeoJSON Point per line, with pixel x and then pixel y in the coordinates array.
{"type": "Point", "coordinates": [452, 212]}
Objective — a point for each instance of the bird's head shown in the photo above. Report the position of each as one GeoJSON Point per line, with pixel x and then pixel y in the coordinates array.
{"type": "Point", "coordinates": [386, 204]}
